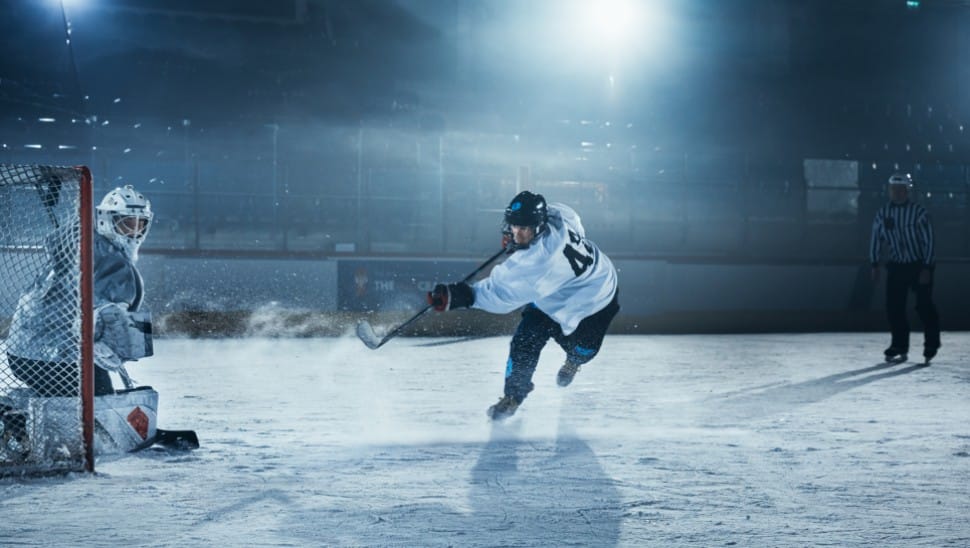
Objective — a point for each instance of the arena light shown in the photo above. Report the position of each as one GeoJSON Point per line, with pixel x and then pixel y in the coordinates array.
{"type": "Point", "coordinates": [69, 8]}
{"type": "Point", "coordinates": [619, 26]}
{"type": "Point", "coordinates": [70, 4]}
{"type": "Point", "coordinates": [603, 35]}
{"type": "Point", "coordinates": [608, 23]}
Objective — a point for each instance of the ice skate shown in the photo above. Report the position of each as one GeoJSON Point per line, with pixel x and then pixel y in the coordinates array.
{"type": "Point", "coordinates": [566, 373]}
{"type": "Point", "coordinates": [895, 355]}
{"type": "Point", "coordinates": [504, 408]}
{"type": "Point", "coordinates": [929, 352]}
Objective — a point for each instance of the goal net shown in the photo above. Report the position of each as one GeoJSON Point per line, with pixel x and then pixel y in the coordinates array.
{"type": "Point", "coordinates": [46, 320]}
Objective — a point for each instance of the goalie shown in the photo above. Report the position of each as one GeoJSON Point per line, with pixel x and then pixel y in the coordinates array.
{"type": "Point", "coordinates": [39, 349]}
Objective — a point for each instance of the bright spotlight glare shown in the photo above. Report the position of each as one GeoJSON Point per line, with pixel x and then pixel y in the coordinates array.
{"type": "Point", "coordinates": [70, 6]}
{"type": "Point", "coordinates": [611, 22]}
{"type": "Point", "coordinates": [615, 29]}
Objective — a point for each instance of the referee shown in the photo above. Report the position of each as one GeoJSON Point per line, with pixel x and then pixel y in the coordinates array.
{"type": "Point", "coordinates": [903, 228]}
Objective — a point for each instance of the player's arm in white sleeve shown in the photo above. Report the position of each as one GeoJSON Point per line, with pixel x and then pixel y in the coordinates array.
{"type": "Point", "coordinates": [531, 274]}
{"type": "Point", "coordinates": [503, 290]}
{"type": "Point", "coordinates": [526, 277]}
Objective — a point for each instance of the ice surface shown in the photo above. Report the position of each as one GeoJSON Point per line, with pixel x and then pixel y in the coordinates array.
{"type": "Point", "coordinates": [757, 440]}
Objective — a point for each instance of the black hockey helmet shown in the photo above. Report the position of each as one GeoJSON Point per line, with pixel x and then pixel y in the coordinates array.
{"type": "Point", "coordinates": [900, 178]}
{"type": "Point", "coordinates": [527, 209]}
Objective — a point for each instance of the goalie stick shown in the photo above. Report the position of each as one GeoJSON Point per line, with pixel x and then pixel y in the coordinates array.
{"type": "Point", "coordinates": [367, 335]}
{"type": "Point", "coordinates": [181, 440]}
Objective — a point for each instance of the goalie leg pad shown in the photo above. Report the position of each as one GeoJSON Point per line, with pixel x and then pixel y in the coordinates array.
{"type": "Point", "coordinates": [125, 420]}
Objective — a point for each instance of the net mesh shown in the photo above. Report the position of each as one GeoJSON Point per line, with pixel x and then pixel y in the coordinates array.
{"type": "Point", "coordinates": [40, 319]}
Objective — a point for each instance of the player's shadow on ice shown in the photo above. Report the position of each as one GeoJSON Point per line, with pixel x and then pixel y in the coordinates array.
{"type": "Point", "coordinates": [758, 402]}
{"type": "Point", "coordinates": [547, 492]}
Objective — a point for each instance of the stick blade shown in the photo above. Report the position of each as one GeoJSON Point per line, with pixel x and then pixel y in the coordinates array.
{"type": "Point", "coordinates": [182, 440]}
{"type": "Point", "coordinates": [366, 334]}
{"type": "Point", "coordinates": [178, 440]}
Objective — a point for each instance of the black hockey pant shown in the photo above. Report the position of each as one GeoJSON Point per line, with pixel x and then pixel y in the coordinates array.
{"type": "Point", "coordinates": [53, 379]}
{"type": "Point", "coordinates": [901, 278]}
{"type": "Point", "coordinates": [534, 331]}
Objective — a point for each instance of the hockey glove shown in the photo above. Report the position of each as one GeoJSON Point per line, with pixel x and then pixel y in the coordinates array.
{"type": "Point", "coordinates": [127, 334]}
{"type": "Point", "coordinates": [449, 297]}
{"type": "Point", "coordinates": [508, 242]}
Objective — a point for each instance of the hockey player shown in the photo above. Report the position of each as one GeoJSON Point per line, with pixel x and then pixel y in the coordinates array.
{"type": "Point", "coordinates": [566, 284]}
{"type": "Point", "coordinates": [39, 352]}
{"type": "Point", "coordinates": [905, 228]}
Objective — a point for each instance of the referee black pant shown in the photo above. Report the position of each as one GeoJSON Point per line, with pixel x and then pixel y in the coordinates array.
{"type": "Point", "coordinates": [900, 280]}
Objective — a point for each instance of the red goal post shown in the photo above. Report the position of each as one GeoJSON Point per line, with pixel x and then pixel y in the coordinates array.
{"type": "Point", "coordinates": [46, 320]}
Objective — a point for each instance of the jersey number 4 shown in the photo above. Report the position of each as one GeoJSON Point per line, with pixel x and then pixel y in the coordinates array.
{"type": "Point", "coordinates": [579, 261]}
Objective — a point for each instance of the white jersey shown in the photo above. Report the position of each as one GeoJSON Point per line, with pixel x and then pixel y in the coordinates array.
{"type": "Point", "coordinates": [561, 272]}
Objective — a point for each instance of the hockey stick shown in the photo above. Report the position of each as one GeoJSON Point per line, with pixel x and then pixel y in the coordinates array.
{"type": "Point", "coordinates": [366, 333]}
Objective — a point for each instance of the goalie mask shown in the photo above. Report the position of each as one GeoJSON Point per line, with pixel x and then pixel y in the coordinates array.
{"type": "Point", "coordinates": [124, 217]}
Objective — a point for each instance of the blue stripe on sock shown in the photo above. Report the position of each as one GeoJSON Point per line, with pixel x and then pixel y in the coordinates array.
{"type": "Point", "coordinates": [583, 351]}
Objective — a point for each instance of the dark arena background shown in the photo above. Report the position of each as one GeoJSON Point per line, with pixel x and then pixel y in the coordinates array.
{"type": "Point", "coordinates": [310, 161]}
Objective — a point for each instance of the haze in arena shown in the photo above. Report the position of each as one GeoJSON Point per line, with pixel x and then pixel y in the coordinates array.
{"type": "Point", "coordinates": [292, 179]}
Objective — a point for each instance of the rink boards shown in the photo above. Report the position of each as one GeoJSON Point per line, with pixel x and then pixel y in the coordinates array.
{"type": "Point", "coordinates": [671, 295]}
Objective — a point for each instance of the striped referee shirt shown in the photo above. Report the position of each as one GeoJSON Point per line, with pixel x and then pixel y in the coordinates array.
{"type": "Point", "coordinates": [906, 230]}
